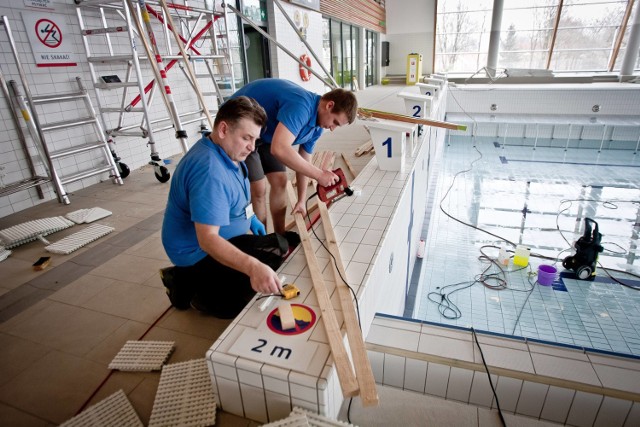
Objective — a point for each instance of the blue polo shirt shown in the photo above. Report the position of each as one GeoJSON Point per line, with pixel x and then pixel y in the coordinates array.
{"type": "Point", "coordinates": [209, 188]}
{"type": "Point", "coordinates": [287, 103]}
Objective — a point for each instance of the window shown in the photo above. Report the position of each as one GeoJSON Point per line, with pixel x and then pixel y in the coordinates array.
{"type": "Point", "coordinates": [587, 36]}
{"type": "Point", "coordinates": [462, 35]}
{"type": "Point", "coordinates": [340, 51]}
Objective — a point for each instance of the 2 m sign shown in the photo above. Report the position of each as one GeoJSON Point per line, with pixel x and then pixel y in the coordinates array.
{"type": "Point", "coordinates": [276, 350]}
{"type": "Point", "coordinates": [267, 347]}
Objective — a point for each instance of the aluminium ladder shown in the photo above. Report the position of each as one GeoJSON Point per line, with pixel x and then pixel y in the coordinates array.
{"type": "Point", "coordinates": [134, 38]}
{"type": "Point", "coordinates": [37, 129]}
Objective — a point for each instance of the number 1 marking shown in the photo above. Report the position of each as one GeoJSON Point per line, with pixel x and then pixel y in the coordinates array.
{"type": "Point", "coordinates": [388, 144]}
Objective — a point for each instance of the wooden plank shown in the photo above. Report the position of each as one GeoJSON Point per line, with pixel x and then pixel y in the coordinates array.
{"type": "Point", "coordinates": [345, 372]}
{"type": "Point", "coordinates": [364, 148]}
{"type": "Point", "coordinates": [287, 319]}
{"type": "Point", "coordinates": [409, 119]}
{"type": "Point", "coordinates": [348, 163]}
{"type": "Point", "coordinates": [364, 374]}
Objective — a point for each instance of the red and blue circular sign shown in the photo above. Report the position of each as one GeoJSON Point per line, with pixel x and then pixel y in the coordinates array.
{"type": "Point", "coordinates": [305, 319]}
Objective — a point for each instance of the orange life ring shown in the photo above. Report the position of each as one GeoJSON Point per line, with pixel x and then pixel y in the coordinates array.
{"type": "Point", "coordinates": [305, 74]}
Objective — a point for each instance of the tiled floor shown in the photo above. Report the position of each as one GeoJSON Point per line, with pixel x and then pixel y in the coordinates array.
{"type": "Point", "coordinates": [61, 327]}
{"type": "Point", "coordinates": [525, 197]}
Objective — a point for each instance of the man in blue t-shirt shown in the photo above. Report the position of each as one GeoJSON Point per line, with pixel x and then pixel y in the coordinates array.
{"type": "Point", "coordinates": [295, 116]}
{"type": "Point", "coordinates": [218, 266]}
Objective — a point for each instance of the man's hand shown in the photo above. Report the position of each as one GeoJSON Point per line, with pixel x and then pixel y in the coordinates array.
{"type": "Point", "coordinates": [257, 227]}
{"type": "Point", "coordinates": [264, 279]}
{"type": "Point", "coordinates": [327, 178]}
{"type": "Point", "coordinates": [300, 207]}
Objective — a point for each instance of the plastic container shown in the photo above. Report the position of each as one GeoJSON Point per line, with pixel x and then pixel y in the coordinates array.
{"type": "Point", "coordinates": [547, 274]}
{"type": "Point", "coordinates": [521, 256]}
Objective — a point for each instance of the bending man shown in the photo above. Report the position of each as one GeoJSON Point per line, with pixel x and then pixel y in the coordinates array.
{"type": "Point", "coordinates": [295, 116]}
{"type": "Point", "coordinates": [218, 266]}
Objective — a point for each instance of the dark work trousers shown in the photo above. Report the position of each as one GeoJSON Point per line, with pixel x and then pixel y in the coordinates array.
{"type": "Point", "coordinates": [221, 290]}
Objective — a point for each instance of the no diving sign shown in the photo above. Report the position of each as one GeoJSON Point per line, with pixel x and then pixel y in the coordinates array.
{"type": "Point", "coordinates": [49, 38]}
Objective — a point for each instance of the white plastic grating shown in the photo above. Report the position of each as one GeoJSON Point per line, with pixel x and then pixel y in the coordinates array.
{"type": "Point", "coordinates": [142, 356]}
{"type": "Point", "coordinates": [88, 215]}
{"type": "Point", "coordinates": [185, 396]}
{"type": "Point", "coordinates": [30, 230]}
{"type": "Point", "coordinates": [77, 240]}
{"type": "Point", "coordinates": [301, 417]}
{"type": "Point", "coordinates": [293, 420]}
{"type": "Point", "coordinates": [4, 253]}
{"type": "Point", "coordinates": [114, 411]}
{"type": "Point", "coordinates": [316, 420]}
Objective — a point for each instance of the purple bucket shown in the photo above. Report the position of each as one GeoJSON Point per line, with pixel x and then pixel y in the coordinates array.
{"type": "Point", "coordinates": [547, 274]}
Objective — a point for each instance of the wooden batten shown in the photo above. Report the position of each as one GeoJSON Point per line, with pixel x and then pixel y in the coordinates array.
{"type": "Point", "coordinates": [364, 374]}
{"type": "Point", "coordinates": [345, 372]}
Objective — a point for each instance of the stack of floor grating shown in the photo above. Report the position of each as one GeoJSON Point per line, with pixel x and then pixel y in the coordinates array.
{"type": "Point", "coordinates": [77, 240]}
{"type": "Point", "coordinates": [32, 230]}
{"type": "Point", "coordinates": [185, 396]}
{"type": "Point", "coordinates": [142, 356]}
{"type": "Point", "coordinates": [85, 216]}
{"type": "Point", "coordinates": [301, 418]}
{"type": "Point", "coordinates": [114, 411]}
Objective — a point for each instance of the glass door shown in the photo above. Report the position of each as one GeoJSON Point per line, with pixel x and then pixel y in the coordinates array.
{"type": "Point", "coordinates": [370, 43]}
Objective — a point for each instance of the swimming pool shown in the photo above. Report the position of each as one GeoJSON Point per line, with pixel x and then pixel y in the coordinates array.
{"type": "Point", "coordinates": [538, 198]}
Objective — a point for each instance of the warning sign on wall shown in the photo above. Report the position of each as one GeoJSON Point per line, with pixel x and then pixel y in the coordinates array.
{"type": "Point", "coordinates": [50, 39]}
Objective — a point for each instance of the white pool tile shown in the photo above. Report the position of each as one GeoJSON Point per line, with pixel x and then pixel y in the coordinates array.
{"type": "Point", "coordinates": [532, 397]}
{"type": "Point", "coordinates": [394, 338]}
{"type": "Point", "coordinates": [508, 392]}
{"type": "Point", "coordinates": [613, 412]}
{"type": "Point", "coordinates": [557, 404]}
{"type": "Point", "coordinates": [584, 409]}
{"type": "Point", "coordinates": [481, 393]}
{"type": "Point", "coordinates": [394, 367]}
{"type": "Point", "coordinates": [437, 379]}
{"type": "Point", "coordinates": [459, 384]}
{"type": "Point", "coordinates": [415, 375]}
{"type": "Point", "coordinates": [376, 360]}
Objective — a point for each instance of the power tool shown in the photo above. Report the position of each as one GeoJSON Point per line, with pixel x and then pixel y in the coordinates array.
{"type": "Point", "coordinates": [583, 263]}
{"type": "Point", "coordinates": [338, 190]}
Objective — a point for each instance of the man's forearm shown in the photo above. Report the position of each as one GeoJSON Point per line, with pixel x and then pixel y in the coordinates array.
{"type": "Point", "coordinates": [227, 254]}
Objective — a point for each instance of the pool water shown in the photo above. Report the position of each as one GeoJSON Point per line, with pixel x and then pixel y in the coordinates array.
{"type": "Point", "coordinates": [537, 198]}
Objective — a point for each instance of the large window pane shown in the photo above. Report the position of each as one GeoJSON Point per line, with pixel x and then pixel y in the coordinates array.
{"type": "Point", "coordinates": [526, 33]}
{"type": "Point", "coordinates": [336, 51]}
{"type": "Point", "coordinates": [586, 35]}
{"type": "Point", "coordinates": [326, 44]}
{"type": "Point", "coordinates": [347, 57]}
{"type": "Point", "coordinates": [462, 30]}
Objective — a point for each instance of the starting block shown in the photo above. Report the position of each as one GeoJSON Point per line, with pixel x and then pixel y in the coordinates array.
{"type": "Point", "coordinates": [389, 140]}
{"type": "Point", "coordinates": [429, 89]}
{"type": "Point", "coordinates": [435, 81]}
{"type": "Point", "coordinates": [417, 105]}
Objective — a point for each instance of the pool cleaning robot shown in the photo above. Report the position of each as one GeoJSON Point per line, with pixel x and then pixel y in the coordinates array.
{"type": "Point", "coordinates": [583, 263]}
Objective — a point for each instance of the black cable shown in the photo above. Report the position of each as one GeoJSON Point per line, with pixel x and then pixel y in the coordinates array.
{"type": "Point", "coordinates": [335, 262]}
{"type": "Point", "coordinates": [486, 368]}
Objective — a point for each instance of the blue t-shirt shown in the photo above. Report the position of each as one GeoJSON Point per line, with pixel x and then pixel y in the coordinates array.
{"type": "Point", "coordinates": [209, 188]}
{"type": "Point", "coordinates": [287, 103]}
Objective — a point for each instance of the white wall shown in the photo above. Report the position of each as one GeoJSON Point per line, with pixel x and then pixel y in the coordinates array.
{"type": "Point", "coordinates": [410, 29]}
{"type": "Point", "coordinates": [282, 64]}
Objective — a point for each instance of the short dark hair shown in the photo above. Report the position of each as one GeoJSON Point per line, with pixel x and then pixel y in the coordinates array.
{"type": "Point", "coordinates": [344, 101]}
{"type": "Point", "coordinates": [242, 107]}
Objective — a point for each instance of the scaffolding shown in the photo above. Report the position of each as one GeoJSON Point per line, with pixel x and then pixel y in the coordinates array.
{"type": "Point", "coordinates": [126, 42]}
